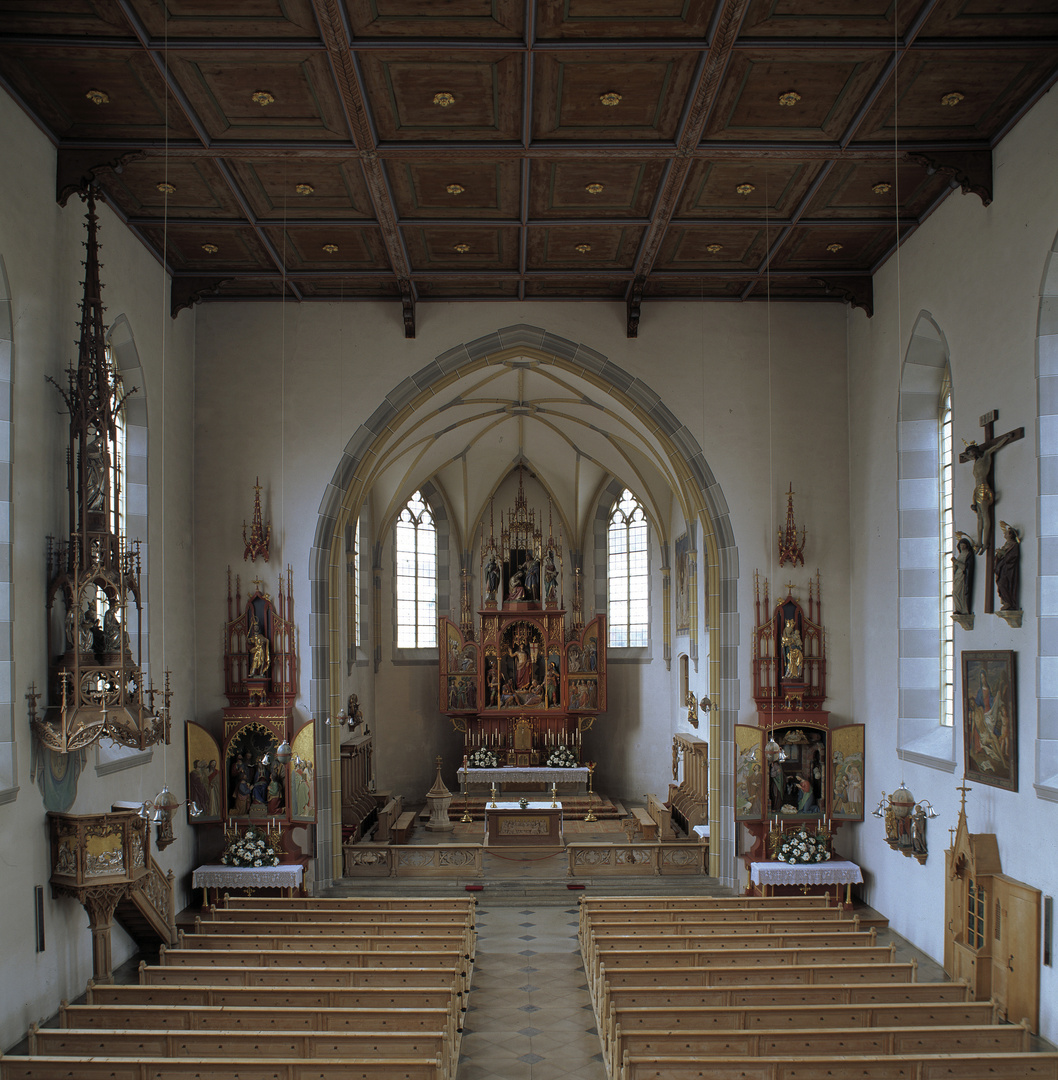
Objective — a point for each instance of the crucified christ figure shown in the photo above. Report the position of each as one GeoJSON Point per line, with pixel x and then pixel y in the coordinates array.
{"type": "Point", "coordinates": [984, 497]}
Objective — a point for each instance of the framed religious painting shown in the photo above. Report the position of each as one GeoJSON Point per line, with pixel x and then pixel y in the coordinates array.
{"type": "Point", "coordinates": [990, 718]}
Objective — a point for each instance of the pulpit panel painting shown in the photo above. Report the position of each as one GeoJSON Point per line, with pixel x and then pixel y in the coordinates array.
{"type": "Point", "coordinates": [204, 778]}
{"type": "Point", "coordinates": [749, 753]}
{"type": "Point", "coordinates": [303, 774]}
{"type": "Point", "coordinates": [846, 771]}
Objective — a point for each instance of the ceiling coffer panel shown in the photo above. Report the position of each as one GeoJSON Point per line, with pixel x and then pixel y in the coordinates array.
{"type": "Point", "coordinates": [414, 150]}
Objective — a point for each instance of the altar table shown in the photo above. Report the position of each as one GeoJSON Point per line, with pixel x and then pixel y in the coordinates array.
{"type": "Point", "coordinates": [286, 876]}
{"type": "Point", "coordinates": [539, 823]}
{"type": "Point", "coordinates": [805, 875]}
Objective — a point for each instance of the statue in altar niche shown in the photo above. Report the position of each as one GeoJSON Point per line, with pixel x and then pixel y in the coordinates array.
{"type": "Point", "coordinates": [492, 578]}
{"type": "Point", "coordinates": [257, 645]}
{"type": "Point", "coordinates": [523, 659]}
{"type": "Point", "coordinates": [792, 651]}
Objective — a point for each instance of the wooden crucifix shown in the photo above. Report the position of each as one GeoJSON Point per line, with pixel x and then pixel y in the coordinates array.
{"type": "Point", "coordinates": [981, 454]}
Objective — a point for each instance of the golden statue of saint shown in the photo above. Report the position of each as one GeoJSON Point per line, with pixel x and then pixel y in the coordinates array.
{"type": "Point", "coordinates": [793, 650]}
{"type": "Point", "coordinates": [259, 652]}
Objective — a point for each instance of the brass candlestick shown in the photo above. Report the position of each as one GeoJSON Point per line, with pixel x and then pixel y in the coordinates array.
{"type": "Point", "coordinates": [554, 796]}
{"type": "Point", "coordinates": [590, 815]}
{"type": "Point", "coordinates": [493, 803]}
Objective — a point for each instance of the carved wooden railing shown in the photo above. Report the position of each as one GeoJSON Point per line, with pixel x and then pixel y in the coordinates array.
{"type": "Point", "coordinates": [104, 862]}
{"type": "Point", "coordinates": [464, 860]}
{"type": "Point", "coordinates": [413, 860]}
{"type": "Point", "coordinates": [657, 859]}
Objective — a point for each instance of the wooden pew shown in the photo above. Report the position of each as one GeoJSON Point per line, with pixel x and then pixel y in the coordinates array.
{"type": "Point", "coordinates": [323, 977]}
{"type": "Point", "coordinates": [743, 913]}
{"type": "Point", "coordinates": [338, 998]}
{"type": "Point", "coordinates": [817, 1042]}
{"type": "Point", "coordinates": [774, 960]}
{"type": "Point", "coordinates": [364, 996]}
{"type": "Point", "coordinates": [654, 949]}
{"type": "Point", "coordinates": [257, 1018]}
{"type": "Point", "coordinates": [822, 1015]}
{"type": "Point", "coordinates": [404, 827]}
{"type": "Point", "coordinates": [150, 1068]}
{"type": "Point", "coordinates": [265, 1045]}
{"type": "Point", "coordinates": [435, 943]}
{"type": "Point", "coordinates": [294, 916]}
{"type": "Point", "coordinates": [645, 824]}
{"type": "Point", "coordinates": [612, 998]}
{"type": "Point", "coordinates": [1009, 1066]}
{"type": "Point", "coordinates": [354, 904]}
{"type": "Point", "coordinates": [661, 813]}
{"type": "Point", "coordinates": [774, 924]}
{"type": "Point", "coordinates": [739, 951]}
{"type": "Point", "coordinates": [673, 1010]}
{"type": "Point", "coordinates": [682, 901]}
{"type": "Point", "coordinates": [262, 929]}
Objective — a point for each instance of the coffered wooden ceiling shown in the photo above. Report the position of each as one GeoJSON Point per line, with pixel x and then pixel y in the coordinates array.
{"type": "Point", "coordinates": [526, 149]}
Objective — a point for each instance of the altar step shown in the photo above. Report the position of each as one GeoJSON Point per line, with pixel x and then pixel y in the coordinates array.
{"type": "Point", "coordinates": [540, 890]}
{"type": "Point", "coordinates": [574, 807]}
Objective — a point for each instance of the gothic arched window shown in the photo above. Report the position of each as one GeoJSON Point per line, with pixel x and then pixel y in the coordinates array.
{"type": "Point", "coordinates": [947, 545]}
{"type": "Point", "coordinates": [416, 575]}
{"type": "Point", "coordinates": [627, 571]}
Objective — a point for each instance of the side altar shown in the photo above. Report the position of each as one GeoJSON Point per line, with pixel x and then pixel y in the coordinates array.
{"type": "Point", "coordinates": [255, 770]}
{"type": "Point", "coordinates": [526, 682]}
{"type": "Point", "coordinates": [795, 768]}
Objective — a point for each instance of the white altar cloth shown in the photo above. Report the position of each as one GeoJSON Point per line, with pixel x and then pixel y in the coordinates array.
{"type": "Point", "coordinates": [833, 872]}
{"type": "Point", "coordinates": [540, 774]}
{"type": "Point", "coordinates": [284, 876]}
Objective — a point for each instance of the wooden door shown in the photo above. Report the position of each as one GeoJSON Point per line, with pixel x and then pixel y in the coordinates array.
{"type": "Point", "coordinates": [1016, 951]}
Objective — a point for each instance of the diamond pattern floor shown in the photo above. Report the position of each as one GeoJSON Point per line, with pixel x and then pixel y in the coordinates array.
{"type": "Point", "coordinates": [529, 1015]}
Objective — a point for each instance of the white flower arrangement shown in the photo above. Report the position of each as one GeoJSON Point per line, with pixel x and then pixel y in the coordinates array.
{"type": "Point", "coordinates": [249, 849]}
{"type": "Point", "coordinates": [483, 759]}
{"type": "Point", "coordinates": [802, 847]}
{"type": "Point", "coordinates": [562, 758]}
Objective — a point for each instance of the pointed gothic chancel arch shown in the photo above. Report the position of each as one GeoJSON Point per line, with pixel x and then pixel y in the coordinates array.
{"type": "Point", "coordinates": [561, 398]}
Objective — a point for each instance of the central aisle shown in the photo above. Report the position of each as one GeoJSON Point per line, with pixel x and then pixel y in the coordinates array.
{"type": "Point", "coordinates": [529, 1015]}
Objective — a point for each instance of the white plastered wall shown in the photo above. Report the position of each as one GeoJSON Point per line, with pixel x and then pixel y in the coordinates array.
{"type": "Point", "coordinates": [976, 271]}
{"type": "Point", "coordinates": [42, 247]}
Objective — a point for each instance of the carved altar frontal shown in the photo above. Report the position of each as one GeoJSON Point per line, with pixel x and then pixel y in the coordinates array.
{"type": "Point", "coordinates": [538, 824]}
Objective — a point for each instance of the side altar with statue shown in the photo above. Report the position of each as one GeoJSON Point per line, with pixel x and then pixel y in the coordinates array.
{"type": "Point", "coordinates": [523, 685]}
{"type": "Point", "coordinates": [796, 769]}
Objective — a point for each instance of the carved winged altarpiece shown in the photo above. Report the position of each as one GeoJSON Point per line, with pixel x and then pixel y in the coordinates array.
{"type": "Point", "coordinates": [794, 767]}
{"type": "Point", "coordinates": [259, 768]}
{"type": "Point", "coordinates": [532, 678]}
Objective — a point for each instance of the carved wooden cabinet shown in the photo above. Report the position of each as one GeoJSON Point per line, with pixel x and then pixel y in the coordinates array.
{"type": "Point", "coordinates": [992, 927]}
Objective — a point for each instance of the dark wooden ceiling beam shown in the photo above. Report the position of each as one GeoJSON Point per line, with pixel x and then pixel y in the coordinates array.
{"type": "Point", "coordinates": [528, 71]}
{"type": "Point", "coordinates": [160, 60]}
{"type": "Point", "coordinates": [497, 45]}
{"type": "Point", "coordinates": [638, 151]}
{"type": "Point", "coordinates": [330, 19]}
{"type": "Point", "coordinates": [702, 102]}
{"type": "Point", "coordinates": [891, 68]}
